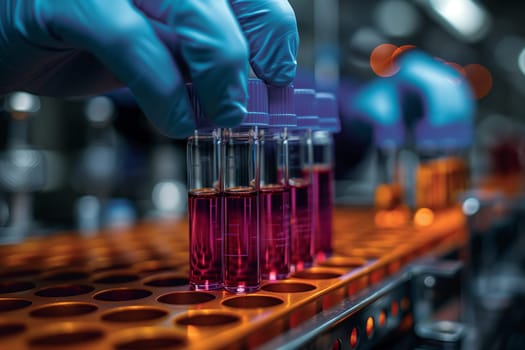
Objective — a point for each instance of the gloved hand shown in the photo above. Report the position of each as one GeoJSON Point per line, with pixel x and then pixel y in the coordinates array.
{"type": "Point", "coordinates": [426, 100]}
{"type": "Point", "coordinates": [79, 47]}
{"type": "Point", "coordinates": [378, 103]}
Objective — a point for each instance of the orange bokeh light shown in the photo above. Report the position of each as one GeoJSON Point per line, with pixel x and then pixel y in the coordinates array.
{"type": "Point", "coordinates": [479, 78]}
{"type": "Point", "coordinates": [381, 60]}
{"type": "Point", "coordinates": [394, 308]}
{"type": "Point", "coordinates": [353, 338]}
{"type": "Point", "coordinates": [382, 318]}
{"type": "Point", "coordinates": [424, 217]}
{"type": "Point", "coordinates": [369, 326]}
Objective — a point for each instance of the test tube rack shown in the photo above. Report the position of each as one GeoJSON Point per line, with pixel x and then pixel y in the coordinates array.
{"type": "Point", "coordinates": [128, 289]}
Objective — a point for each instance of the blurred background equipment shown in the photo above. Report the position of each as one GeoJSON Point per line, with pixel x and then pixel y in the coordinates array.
{"type": "Point", "coordinates": [22, 169]}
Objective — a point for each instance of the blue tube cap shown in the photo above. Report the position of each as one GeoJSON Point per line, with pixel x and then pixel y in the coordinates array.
{"type": "Point", "coordinates": [281, 106]}
{"type": "Point", "coordinates": [257, 111]}
{"type": "Point", "coordinates": [327, 111]}
{"type": "Point", "coordinates": [305, 109]}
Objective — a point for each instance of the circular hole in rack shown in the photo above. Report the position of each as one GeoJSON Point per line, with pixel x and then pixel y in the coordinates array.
{"type": "Point", "coordinates": [346, 262]}
{"type": "Point", "coordinates": [112, 267]}
{"type": "Point", "coordinates": [15, 286]}
{"type": "Point", "coordinates": [116, 278]}
{"type": "Point", "coordinates": [68, 290]}
{"type": "Point", "coordinates": [122, 294]}
{"type": "Point", "coordinates": [134, 314]}
{"type": "Point", "coordinates": [252, 302]}
{"type": "Point", "coordinates": [288, 287]}
{"type": "Point", "coordinates": [67, 338]}
{"type": "Point", "coordinates": [11, 304]}
{"type": "Point", "coordinates": [354, 338]}
{"type": "Point", "coordinates": [66, 276]}
{"type": "Point", "coordinates": [19, 273]}
{"type": "Point", "coordinates": [336, 345]}
{"type": "Point", "coordinates": [65, 309]}
{"type": "Point", "coordinates": [160, 342]}
{"type": "Point", "coordinates": [185, 298]}
{"type": "Point", "coordinates": [369, 326]}
{"type": "Point", "coordinates": [381, 321]}
{"type": "Point", "coordinates": [11, 328]}
{"type": "Point", "coordinates": [315, 274]}
{"type": "Point", "coordinates": [207, 319]}
{"type": "Point", "coordinates": [167, 281]}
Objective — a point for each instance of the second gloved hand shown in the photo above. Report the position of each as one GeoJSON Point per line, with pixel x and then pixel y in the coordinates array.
{"type": "Point", "coordinates": [426, 101]}
{"type": "Point", "coordinates": [79, 47]}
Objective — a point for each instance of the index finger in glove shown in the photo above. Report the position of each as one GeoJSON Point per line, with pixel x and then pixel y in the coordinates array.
{"type": "Point", "coordinates": [214, 50]}
{"type": "Point", "coordinates": [271, 30]}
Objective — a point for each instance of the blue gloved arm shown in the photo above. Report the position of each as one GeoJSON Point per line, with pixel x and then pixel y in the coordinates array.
{"type": "Point", "coordinates": [79, 47]}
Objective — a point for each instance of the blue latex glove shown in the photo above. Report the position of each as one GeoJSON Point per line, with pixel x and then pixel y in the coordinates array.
{"type": "Point", "coordinates": [426, 100]}
{"type": "Point", "coordinates": [377, 102]}
{"type": "Point", "coordinates": [80, 47]}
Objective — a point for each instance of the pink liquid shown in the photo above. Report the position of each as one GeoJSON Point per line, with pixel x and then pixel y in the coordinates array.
{"type": "Point", "coordinates": [205, 239]}
{"type": "Point", "coordinates": [274, 219]}
{"type": "Point", "coordinates": [301, 223]}
{"type": "Point", "coordinates": [241, 241]}
{"type": "Point", "coordinates": [323, 187]}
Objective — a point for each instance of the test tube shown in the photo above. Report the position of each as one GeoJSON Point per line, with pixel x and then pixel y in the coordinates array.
{"type": "Point", "coordinates": [440, 177]}
{"type": "Point", "coordinates": [241, 185]}
{"type": "Point", "coordinates": [274, 192]}
{"type": "Point", "coordinates": [441, 170]}
{"type": "Point", "coordinates": [389, 192]}
{"type": "Point", "coordinates": [300, 179]}
{"type": "Point", "coordinates": [323, 173]}
{"type": "Point", "coordinates": [204, 204]}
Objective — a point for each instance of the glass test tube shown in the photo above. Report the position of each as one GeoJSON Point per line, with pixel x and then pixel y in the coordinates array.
{"type": "Point", "coordinates": [389, 191]}
{"type": "Point", "coordinates": [300, 179]}
{"type": "Point", "coordinates": [440, 177]}
{"type": "Point", "coordinates": [439, 166]}
{"type": "Point", "coordinates": [323, 173]}
{"type": "Point", "coordinates": [204, 205]}
{"type": "Point", "coordinates": [275, 193]}
{"type": "Point", "coordinates": [241, 184]}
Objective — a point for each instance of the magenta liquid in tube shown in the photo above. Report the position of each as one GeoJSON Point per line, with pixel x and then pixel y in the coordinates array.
{"type": "Point", "coordinates": [241, 256]}
{"type": "Point", "coordinates": [274, 193]}
{"type": "Point", "coordinates": [323, 173]}
{"type": "Point", "coordinates": [241, 184]}
{"type": "Point", "coordinates": [275, 231]}
{"type": "Point", "coordinates": [300, 180]}
{"type": "Point", "coordinates": [204, 204]}
{"type": "Point", "coordinates": [205, 239]}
